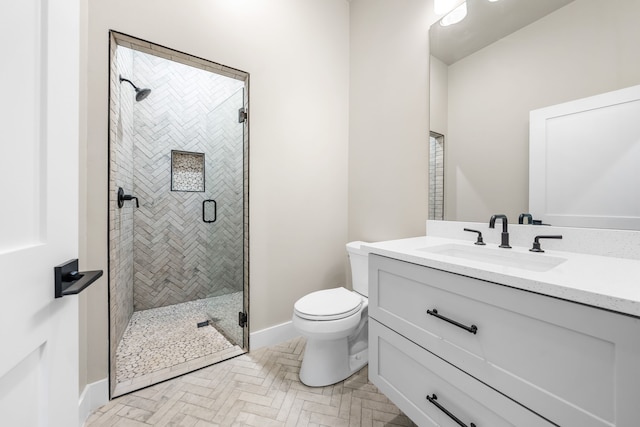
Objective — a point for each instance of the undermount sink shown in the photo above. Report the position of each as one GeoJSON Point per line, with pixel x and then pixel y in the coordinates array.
{"type": "Point", "coordinates": [502, 257]}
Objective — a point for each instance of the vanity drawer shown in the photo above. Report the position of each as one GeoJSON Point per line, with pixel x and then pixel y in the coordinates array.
{"type": "Point", "coordinates": [565, 361]}
{"type": "Point", "coordinates": [407, 374]}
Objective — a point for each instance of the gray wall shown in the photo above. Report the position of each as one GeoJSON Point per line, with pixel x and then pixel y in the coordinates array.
{"type": "Point", "coordinates": [388, 118]}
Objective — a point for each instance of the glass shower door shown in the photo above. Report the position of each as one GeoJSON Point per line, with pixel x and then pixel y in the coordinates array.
{"type": "Point", "coordinates": [227, 220]}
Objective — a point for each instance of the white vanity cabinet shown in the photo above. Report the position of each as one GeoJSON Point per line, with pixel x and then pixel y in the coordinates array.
{"type": "Point", "coordinates": [498, 355]}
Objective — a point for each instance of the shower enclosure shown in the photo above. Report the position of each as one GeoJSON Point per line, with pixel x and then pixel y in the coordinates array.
{"type": "Point", "coordinates": [178, 214]}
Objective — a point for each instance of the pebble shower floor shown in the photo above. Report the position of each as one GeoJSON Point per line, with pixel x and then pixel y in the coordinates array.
{"type": "Point", "coordinates": [161, 343]}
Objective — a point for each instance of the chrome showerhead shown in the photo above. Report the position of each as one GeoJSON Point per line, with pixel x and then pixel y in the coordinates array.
{"type": "Point", "coordinates": [140, 93]}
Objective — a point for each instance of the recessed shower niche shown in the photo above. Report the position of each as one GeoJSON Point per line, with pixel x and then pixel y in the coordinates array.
{"type": "Point", "coordinates": [187, 171]}
{"type": "Point", "coordinates": [178, 281]}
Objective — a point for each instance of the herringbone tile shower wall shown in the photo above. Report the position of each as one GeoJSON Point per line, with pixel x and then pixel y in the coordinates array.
{"type": "Point", "coordinates": [177, 256]}
{"type": "Point", "coordinates": [120, 175]}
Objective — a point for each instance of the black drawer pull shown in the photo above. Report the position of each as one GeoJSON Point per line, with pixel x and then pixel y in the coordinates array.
{"type": "Point", "coordinates": [433, 399]}
{"type": "Point", "coordinates": [473, 328]}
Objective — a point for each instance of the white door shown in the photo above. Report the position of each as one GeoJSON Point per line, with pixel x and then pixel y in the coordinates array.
{"type": "Point", "coordinates": [39, 92]}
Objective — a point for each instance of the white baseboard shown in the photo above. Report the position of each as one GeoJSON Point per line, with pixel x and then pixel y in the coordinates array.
{"type": "Point", "coordinates": [272, 335]}
{"type": "Point", "coordinates": [93, 396]}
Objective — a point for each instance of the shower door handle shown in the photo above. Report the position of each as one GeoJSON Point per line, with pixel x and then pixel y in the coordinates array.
{"type": "Point", "coordinates": [204, 211]}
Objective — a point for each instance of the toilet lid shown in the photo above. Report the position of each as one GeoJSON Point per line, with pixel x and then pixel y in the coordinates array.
{"type": "Point", "coordinates": [328, 304]}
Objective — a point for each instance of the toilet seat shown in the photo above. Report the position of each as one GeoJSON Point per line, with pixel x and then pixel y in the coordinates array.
{"type": "Point", "coordinates": [328, 304]}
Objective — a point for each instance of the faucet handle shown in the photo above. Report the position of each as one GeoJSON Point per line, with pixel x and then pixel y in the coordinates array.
{"type": "Point", "coordinates": [523, 216]}
{"type": "Point", "coordinates": [479, 241]}
{"type": "Point", "coordinates": [125, 197]}
{"type": "Point", "coordinates": [536, 242]}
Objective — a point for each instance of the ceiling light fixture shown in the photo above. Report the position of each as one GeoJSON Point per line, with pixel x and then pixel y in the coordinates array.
{"type": "Point", "coordinates": [442, 7]}
{"type": "Point", "coordinates": [455, 16]}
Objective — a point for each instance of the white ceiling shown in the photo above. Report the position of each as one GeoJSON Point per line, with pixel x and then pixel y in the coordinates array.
{"type": "Point", "coordinates": [485, 23]}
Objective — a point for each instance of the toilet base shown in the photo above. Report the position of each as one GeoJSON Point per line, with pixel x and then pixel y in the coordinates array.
{"type": "Point", "coordinates": [359, 360]}
{"type": "Point", "coordinates": [327, 362]}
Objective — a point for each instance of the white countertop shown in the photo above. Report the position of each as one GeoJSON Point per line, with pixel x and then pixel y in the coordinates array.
{"type": "Point", "coordinates": [599, 281]}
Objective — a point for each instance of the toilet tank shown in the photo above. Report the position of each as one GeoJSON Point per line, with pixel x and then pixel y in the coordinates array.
{"type": "Point", "coordinates": [359, 267]}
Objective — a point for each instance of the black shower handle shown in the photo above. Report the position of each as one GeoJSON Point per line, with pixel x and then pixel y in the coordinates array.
{"type": "Point", "coordinates": [215, 211]}
{"type": "Point", "coordinates": [125, 197]}
{"type": "Point", "coordinates": [130, 197]}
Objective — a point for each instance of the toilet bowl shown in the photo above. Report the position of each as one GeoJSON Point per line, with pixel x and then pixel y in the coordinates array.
{"type": "Point", "coordinates": [335, 324]}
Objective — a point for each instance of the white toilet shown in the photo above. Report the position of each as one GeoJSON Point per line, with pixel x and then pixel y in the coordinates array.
{"type": "Point", "coordinates": [335, 324]}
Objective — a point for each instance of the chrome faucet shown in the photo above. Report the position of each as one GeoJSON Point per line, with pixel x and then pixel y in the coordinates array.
{"type": "Point", "coordinates": [505, 233]}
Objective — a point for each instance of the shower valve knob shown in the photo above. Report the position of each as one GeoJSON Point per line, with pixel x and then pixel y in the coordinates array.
{"type": "Point", "coordinates": [125, 197]}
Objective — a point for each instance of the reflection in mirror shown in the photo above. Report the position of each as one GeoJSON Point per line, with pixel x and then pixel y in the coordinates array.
{"type": "Point", "coordinates": [436, 176]}
{"type": "Point", "coordinates": [481, 97]}
{"type": "Point", "coordinates": [600, 133]}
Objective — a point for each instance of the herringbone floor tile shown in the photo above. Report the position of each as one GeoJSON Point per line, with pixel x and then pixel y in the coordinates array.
{"type": "Point", "coordinates": [259, 389]}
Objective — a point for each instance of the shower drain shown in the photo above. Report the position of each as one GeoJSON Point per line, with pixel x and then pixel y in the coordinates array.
{"type": "Point", "coordinates": [203, 324]}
